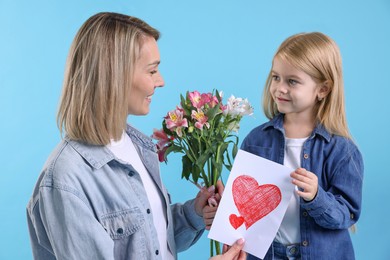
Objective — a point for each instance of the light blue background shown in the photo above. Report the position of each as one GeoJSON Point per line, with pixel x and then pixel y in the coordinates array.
{"type": "Point", "coordinates": [226, 45]}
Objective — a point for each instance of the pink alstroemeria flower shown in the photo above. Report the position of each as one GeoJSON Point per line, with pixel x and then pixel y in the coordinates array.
{"type": "Point", "coordinates": [195, 99]}
{"type": "Point", "coordinates": [201, 119]}
{"type": "Point", "coordinates": [161, 153]}
{"type": "Point", "coordinates": [161, 137]}
{"type": "Point", "coordinates": [209, 99]}
{"type": "Point", "coordinates": [175, 121]}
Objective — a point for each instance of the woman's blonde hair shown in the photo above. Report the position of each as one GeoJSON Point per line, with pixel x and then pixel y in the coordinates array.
{"type": "Point", "coordinates": [318, 56]}
{"type": "Point", "coordinates": [98, 77]}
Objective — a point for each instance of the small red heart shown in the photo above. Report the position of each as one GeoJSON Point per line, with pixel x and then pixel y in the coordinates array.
{"type": "Point", "coordinates": [236, 221]}
{"type": "Point", "coordinates": [253, 201]}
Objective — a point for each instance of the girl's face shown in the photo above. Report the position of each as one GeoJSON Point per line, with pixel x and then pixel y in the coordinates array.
{"type": "Point", "coordinates": [146, 78]}
{"type": "Point", "coordinates": [294, 91]}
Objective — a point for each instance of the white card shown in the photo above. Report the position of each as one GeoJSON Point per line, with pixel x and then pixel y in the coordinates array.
{"type": "Point", "coordinates": [253, 204]}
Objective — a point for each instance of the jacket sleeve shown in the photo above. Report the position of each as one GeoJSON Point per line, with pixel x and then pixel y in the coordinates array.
{"type": "Point", "coordinates": [339, 207]}
{"type": "Point", "coordinates": [188, 225]}
{"type": "Point", "coordinates": [71, 227]}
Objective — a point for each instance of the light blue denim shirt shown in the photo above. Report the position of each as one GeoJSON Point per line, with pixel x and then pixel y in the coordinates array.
{"type": "Point", "coordinates": [89, 205]}
{"type": "Point", "coordinates": [338, 164]}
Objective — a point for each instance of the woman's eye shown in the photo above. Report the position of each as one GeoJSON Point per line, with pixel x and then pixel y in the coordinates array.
{"type": "Point", "coordinates": [153, 72]}
{"type": "Point", "coordinates": [275, 78]}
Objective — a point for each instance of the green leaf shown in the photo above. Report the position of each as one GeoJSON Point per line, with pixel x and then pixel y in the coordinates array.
{"type": "Point", "coordinates": [201, 160]}
{"type": "Point", "coordinates": [184, 104]}
{"type": "Point", "coordinates": [195, 173]}
{"type": "Point", "coordinates": [235, 150]}
{"type": "Point", "coordinates": [174, 148]}
{"type": "Point", "coordinates": [187, 167]}
{"type": "Point", "coordinates": [212, 112]}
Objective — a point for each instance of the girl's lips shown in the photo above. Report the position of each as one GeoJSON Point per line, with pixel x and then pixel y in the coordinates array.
{"type": "Point", "coordinates": [282, 99]}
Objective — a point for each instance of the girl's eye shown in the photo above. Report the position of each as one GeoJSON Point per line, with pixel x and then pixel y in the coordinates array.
{"type": "Point", "coordinates": [292, 82]}
{"type": "Point", "coordinates": [275, 78]}
{"type": "Point", "coordinates": [153, 72]}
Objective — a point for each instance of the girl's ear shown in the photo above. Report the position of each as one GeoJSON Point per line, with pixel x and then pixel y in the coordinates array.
{"type": "Point", "coordinates": [324, 90]}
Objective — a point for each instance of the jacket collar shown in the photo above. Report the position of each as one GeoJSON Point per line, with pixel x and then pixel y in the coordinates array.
{"type": "Point", "coordinates": [277, 123]}
{"type": "Point", "coordinates": [99, 155]}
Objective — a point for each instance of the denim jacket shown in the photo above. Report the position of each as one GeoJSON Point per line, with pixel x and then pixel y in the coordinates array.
{"type": "Point", "coordinates": [338, 164]}
{"type": "Point", "coordinates": [89, 205]}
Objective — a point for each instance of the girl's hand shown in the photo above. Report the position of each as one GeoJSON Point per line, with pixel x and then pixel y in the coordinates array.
{"type": "Point", "coordinates": [307, 181]}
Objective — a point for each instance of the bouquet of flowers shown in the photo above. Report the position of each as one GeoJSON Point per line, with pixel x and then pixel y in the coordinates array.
{"type": "Point", "coordinates": [202, 128]}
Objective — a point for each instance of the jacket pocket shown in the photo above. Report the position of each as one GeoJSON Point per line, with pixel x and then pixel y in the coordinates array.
{"type": "Point", "coordinates": [123, 223]}
{"type": "Point", "coordinates": [264, 152]}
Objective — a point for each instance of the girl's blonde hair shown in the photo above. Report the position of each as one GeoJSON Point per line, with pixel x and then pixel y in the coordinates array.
{"type": "Point", "coordinates": [318, 56]}
{"type": "Point", "coordinates": [98, 77]}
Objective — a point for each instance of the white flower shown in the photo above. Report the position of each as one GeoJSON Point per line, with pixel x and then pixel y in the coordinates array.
{"type": "Point", "coordinates": [238, 107]}
{"type": "Point", "coordinates": [234, 126]}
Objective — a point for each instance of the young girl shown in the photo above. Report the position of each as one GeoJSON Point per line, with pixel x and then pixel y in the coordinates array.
{"type": "Point", "coordinates": [307, 131]}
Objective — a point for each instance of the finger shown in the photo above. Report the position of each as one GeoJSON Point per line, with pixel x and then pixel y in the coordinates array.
{"type": "Point", "coordinates": [234, 251]}
{"type": "Point", "coordinates": [212, 201]}
{"type": "Point", "coordinates": [209, 212]}
{"type": "Point", "coordinates": [242, 256]}
{"type": "Point", "coordinates": [201, 199]}
{"type": "Point", "coordinates": [303, 185]}
{"type": "Point", "coordinates": [305, 173]}
{"type": "Point", "coordinates": [220, 187]}
{"type": "Point", "coordinates": [225, 248]}
{"type": "Point", "coordinates": [217, 197]}
{"type": "Point", "coordinates": [308, 196]}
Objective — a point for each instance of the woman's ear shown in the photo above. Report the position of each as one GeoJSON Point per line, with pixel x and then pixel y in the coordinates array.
{"type": "Point", "coordinates": [324, 90]}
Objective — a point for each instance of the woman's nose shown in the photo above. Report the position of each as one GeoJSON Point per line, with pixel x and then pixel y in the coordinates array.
{"type": "Point", "coordinates": [159, 81]}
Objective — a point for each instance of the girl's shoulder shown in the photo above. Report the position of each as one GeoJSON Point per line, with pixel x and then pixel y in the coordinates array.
{"type": "Point", "coordinates": [342, 149]}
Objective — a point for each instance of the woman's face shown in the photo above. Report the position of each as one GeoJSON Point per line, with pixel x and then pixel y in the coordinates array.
{"type": "Point", "coordinates": [146, 78]}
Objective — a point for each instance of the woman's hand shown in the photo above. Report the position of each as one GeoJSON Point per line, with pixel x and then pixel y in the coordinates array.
{"type": "Point", "coordinates": [307, 181]}
{"type": "Point", "coordinates": [206, 202]}
{"type": "Point", "coordinates": [232, 253]}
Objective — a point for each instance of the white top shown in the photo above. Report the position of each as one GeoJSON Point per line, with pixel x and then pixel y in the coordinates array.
{"type": "Point", "coordinates": [125, 151]}
{"type": "Point", "coordinates": [289, 230]}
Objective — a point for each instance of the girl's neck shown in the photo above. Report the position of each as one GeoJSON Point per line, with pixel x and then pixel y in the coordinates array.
{"type": "Point", "coordinates": [296, 127]}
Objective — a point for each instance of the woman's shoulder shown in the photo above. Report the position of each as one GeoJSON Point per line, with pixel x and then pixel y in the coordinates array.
{"type": "Point", "coordinates": [71, 161]}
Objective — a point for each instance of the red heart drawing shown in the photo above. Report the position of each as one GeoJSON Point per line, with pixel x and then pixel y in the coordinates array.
{"type": "Point", "coordinates": [253, 201]}
{"type": "Point", "coordinates": [235, 221]}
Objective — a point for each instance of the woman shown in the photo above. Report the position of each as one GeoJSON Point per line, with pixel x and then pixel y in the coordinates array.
{"type": "Point", "coordinates": [100, 194]}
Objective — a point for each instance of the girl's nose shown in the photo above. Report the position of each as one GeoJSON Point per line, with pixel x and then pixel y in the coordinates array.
{"type": "Point", "coordinates": [281, 88]}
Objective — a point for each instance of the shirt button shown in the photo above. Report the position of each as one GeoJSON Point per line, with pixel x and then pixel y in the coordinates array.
{"type": "Point", "coordinates": [157, 252]}
{"type": "Point", "coordinates": [119, 231]}
{"type": "Point", "coordinates": [131, 173]}
{"type": "Point", "coordinates": [304, 214]}
{"type": "Point", "coordinates": [306, 156]}
{"type": "Point", "coordinates": [148, 211]}
{"type": "Point", "coordinates": [352, 216]}
{"type": "Point", "coordinates": [305, 243]}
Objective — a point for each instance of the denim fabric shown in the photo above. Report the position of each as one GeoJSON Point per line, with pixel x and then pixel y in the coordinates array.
{"type": "Point", "coordinates": [338, 164]}
{"type": "Point", "coordinates": [281, 252]}
{"type": "Point", "coordinates": [89, 205]}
